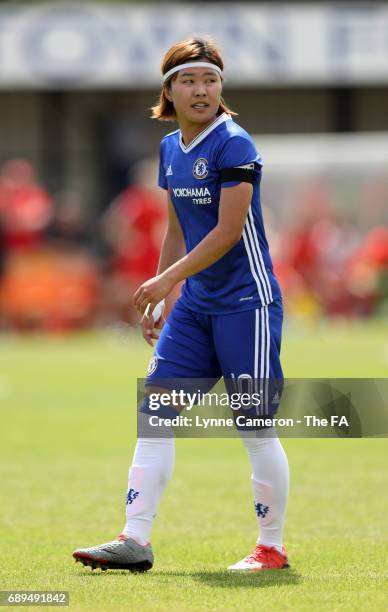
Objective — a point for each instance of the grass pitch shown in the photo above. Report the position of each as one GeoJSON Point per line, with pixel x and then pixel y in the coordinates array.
{"type": "Point", "coordinates": [68, 431]}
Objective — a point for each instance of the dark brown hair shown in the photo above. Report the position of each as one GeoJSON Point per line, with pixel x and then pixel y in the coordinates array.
{"type": "Point", "coordinates": [188, 50]}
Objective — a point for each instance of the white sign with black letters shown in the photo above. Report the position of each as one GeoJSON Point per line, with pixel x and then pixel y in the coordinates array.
{"type": "Point", "coordinates": [59, 45]}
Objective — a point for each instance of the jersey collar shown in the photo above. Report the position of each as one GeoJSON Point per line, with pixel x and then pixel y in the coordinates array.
{"type": "Point", "coordinates": [203, 134]}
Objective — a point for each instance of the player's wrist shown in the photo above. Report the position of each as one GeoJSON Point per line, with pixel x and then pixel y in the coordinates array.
{"type": "Point", "coordinates": [171, 275]}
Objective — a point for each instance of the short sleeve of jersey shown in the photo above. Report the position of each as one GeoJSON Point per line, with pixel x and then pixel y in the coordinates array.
{"type": "Point", "coordinates": [238, 151]}
{"type": "Point", "coordinates": [162, 171]}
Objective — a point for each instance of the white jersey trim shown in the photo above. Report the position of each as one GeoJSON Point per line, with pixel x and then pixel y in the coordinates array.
{"type": "Point", "coordinates": [267, 374]}
{"type": "Point", "coordinates": [171, 133]}
{"type": "Point", "coordinates": [251, 264]}
{"type": "Point", "coordinates": [256, 261]}
{"type": "Point", "coordinates": [261, 372]}
{"type": "Point", "coordinates": [267, 289]}
{"type": "Point", "coordinates": [262, 353]}
{"type": "Point", "coordinates": [257, 328]}
{"type": "Point", "coordinates": [202, 135]}
{"type": "Point", "coordinates": [255, 258]}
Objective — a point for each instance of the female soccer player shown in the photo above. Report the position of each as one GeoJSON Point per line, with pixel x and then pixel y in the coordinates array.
{"type": "Point", "coordinates": [228, 319]}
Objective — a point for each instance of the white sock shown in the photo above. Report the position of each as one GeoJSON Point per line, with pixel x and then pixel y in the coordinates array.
{"type": "Point", "coordinates": [151, 469]}
{"type": "Point", "coordinates": [270, 484]}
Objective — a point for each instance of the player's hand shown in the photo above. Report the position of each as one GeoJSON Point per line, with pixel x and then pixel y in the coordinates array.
{"type": "Point", "coordinates": [150, 329]}
{"type": "Point", "coordinates": [151, 292]}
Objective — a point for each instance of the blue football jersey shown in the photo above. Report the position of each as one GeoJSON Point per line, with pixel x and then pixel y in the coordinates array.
{"type": "Point", "coordinates": [243, 278]}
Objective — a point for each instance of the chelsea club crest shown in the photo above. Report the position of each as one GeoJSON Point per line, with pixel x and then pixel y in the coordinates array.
{"type": "Point", "coordinates": [200, 169]}
{"type": "Point", "coordinates": [152, 366]}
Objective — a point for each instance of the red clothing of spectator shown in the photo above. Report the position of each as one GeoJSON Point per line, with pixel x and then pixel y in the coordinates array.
{"type": "Point", "coordinates": [135, 227]}
{"type": "Point", "coordinates": [375, 248]}
{"type": "Point", "coordinates": [25, 208]}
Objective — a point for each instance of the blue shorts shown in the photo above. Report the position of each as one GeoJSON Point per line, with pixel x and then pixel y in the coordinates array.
{"type": "Point", "coordinates": [242, 345]}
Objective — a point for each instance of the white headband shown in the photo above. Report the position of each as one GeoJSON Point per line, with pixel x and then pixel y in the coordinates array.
{"type": "Point", "coordinates": [191, 65]}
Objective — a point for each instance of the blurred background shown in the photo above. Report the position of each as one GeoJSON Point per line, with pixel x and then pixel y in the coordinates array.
{"type": "Point", "coordinates": [81, 218]}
